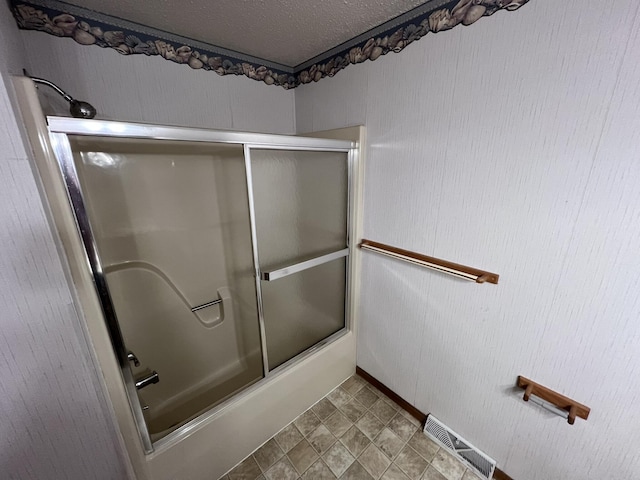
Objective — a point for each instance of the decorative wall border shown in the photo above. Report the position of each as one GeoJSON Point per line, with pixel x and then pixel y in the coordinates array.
{"type": "Point", "coordinates": [128, 38]}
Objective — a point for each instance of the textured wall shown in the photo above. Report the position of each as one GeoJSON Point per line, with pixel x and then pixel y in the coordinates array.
{"type": "Point", "coordinates": [53, 413]}
{"type": "Point", "coordinates": [512, 146]}
{"type": "Point", "coordinates": [150, 89]}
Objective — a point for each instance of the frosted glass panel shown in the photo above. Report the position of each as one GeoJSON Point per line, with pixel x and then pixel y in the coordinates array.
{"type": "Point", "coordinates": [302, 309]}
{"type": "Point", "coordinates": [301, 204]}
{"type": "Point", "coordinates": [301, 213]}
{"type": "Point", "coordinates": [171, 223]}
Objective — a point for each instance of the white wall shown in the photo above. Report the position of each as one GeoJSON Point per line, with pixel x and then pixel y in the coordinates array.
{"type": "Point", "coordinates": [511, 145]}
{"type": "Point", "coordinates": [55, 421]}
{"type": "Point", "coordinates": [151, 89]}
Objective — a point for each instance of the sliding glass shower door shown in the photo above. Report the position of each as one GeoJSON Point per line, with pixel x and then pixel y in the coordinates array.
{"type": "Point", "coordinates": [216, 257]}
{"type": "Point", "coordinates": [301, 210]}
{"type": "Point", "coordinates": [170, 221]}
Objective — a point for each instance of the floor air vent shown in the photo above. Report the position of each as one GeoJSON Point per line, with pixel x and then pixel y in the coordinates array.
{"type": "Point", "coordinates": [474, 458]}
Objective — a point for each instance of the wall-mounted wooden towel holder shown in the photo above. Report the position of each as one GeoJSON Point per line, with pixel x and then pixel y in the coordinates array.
{"type": "Point", "coordinates": [455, 269]}
{"type": "Point", "coordinates": [567, 408]}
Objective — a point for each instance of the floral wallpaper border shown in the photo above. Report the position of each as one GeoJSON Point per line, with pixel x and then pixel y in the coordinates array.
{"type": "Point", "coordinates": [90, 28]}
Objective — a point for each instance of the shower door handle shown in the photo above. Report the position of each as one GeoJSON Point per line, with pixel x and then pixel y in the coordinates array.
{"type": "Point", "coordinates": [299, 267]}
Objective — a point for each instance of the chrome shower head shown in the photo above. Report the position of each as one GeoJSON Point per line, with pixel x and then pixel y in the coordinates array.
{"type": "Point", "coordinates": [77, 108]}
{"type": "Point", "coordinates": [81, 109]}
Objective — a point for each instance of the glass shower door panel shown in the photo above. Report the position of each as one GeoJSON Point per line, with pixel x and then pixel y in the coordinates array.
{"type": "Point", "coordinates": [302, 309]}
{"type": "Point", "coordinates": [171, 224]}
{"type": "Point", "coordinates": [301, 205]}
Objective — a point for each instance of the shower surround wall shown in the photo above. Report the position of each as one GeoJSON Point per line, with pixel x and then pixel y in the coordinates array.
{"type": "Point", "coordinates": [511, 146]}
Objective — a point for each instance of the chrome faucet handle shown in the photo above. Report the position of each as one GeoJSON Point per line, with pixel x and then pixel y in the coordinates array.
{"type": "Point", "coordinates": [132, 358]}
{"type": "Point", "coordinates": [146, 379]}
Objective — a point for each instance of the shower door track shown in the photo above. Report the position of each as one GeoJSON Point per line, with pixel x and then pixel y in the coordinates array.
{"type": "Point", "coordinates": [59, 129]}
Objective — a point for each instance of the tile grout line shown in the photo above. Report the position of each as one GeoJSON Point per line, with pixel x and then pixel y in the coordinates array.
{"type": "Point", "coordinates": [346, 395]}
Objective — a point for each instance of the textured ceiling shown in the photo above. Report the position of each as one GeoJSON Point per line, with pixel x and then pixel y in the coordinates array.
{"type": "Point", "coordinates": [284, 31]}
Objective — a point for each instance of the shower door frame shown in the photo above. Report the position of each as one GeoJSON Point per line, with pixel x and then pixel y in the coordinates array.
{"type": "Point", "coordinates": [61, 127]}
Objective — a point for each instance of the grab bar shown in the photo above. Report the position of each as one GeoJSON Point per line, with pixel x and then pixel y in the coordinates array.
{"type": "Point", "coordinates": [299, 267]}
{"type": "Point", "coordinates": [116, 267]}
{"type": "Point", "coordinates": [455, 269]}
{"type": "Point", "coordinates": [205, 305]}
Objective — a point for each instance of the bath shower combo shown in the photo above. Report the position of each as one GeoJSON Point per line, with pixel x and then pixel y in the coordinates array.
{"type": "Point", "coordinates": [222, 259]}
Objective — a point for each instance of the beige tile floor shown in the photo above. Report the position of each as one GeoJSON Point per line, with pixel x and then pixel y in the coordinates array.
{"type": "Point", "coordinates": [354, 433]}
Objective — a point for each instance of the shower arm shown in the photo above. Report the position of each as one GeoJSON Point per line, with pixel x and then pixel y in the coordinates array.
{"type": "Point", "coordinates": [62, 93]}
{"type": "Point", "coordinates": [77, 108]}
